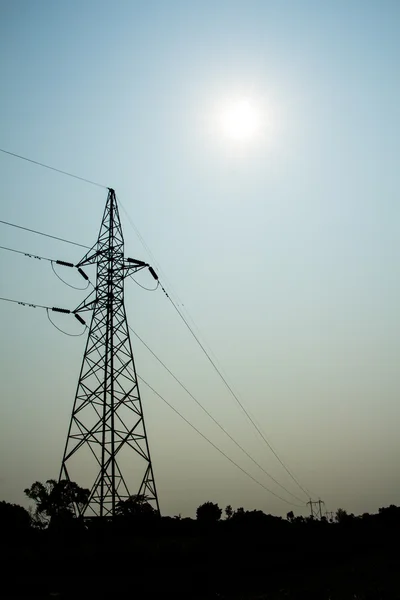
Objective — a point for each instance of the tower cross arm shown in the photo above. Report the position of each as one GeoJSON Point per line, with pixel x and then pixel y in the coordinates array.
{"type": "Point", "coordinates": [132, 265]}
{"type": "Point", "coordinates": [133, 262]}
{"type": "Point", "coordinates": [90, 258]}
{"type": "Point", "coordinates": [87, 304]}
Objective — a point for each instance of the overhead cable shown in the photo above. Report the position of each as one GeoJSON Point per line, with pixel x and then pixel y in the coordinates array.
{"type": "Point", "coordinates": [233, 393]}
{"type": "Point", "coordinates": [44, 234]}
{"type": "Point", "coordinates": [40, 164]}
{"type": "Point", "coordinates": [74, 287]}
{"type": "Point", "coordinates": [212, 418]}
{"type": "Point", "coordinates": [216, 447]}
{"type": "Point", "coordinates": [28, 254]}
{"type": "Point", "coordinates": [53, 262]}
{"type": "Point", "coordinates": [61, 330]}
{"type": "Point", "coordinates": [31, 305]}
{"type": "Point", "coordinates": [143, 287]}
{"type": "Point", "coordinates": [53, 309]}
{"type": "Point", "coordinates": [146, 247]}
{"type": "Point", "coordinates": [252, 421]}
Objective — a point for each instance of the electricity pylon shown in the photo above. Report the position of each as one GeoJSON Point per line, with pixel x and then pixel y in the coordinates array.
{"type": "Point", "coordinates": [107, 442]}
{"type": "Point", "coordinates": [316, 513]}
{"type": "Point", "coordinates": [330, 515]}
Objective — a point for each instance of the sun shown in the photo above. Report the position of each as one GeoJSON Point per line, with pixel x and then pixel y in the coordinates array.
{"type": "Point", "coordinates": [240, 120]}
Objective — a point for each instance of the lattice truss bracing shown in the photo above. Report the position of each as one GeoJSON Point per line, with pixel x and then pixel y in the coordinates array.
{"type": "Point", "coordinates": [107, 442]}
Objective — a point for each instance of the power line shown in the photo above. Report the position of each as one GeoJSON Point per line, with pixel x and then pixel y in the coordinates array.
{"type": "Point", "coordinates": [306, 490]}
{"type": "Point", "coordinates": [216, 447]}
{"type": "Point", "coordinates": [53, 309]}
{"type": "Point", "coordinates": [26, 303]}
{"type": "Point", "coordinates": [26, 254]}
{"type": "Point", "coordinates": [204, 410]}
{"type": "Point", "coordinates": [31, 305]}
{"type": "Point", "coordinates": [173, 303]}
{"type": "Point", "coordinates": [132, 224]}
{"type": "Point", "coordinates": [252, 421]}
{"type": "Point", "coordinates": [40, 164]}
{"type": "Point", "coordinates": [45, 234]}
{"type": "Point", "coordinates": [212, 418]}
{"type": "Point", "coordinates": [74, 287]}
{"type": "Point", "coordinates": [234, 395]}
{"type": "Point", "coordinates": [145, 288]}
{"type": "Point", "coordinates": [157, 265]}
{"type": "Point", "coordinates": [53, 262]}
{"type": "Point", "coordinates": [61, 330]}
{"type": "Point", "coordinates": [148, 250]}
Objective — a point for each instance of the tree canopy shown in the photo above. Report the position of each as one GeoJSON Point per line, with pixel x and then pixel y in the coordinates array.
{"type": "Point", "coordinates": [56, 499]}
{"type": "Point", "coordinates": [137, 505]}
{"type": "Point", "coordinates": [208, 512]}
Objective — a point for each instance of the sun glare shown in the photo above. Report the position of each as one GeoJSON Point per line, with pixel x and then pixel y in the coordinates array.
{"type": "Point", "coordinates": [240, 120]}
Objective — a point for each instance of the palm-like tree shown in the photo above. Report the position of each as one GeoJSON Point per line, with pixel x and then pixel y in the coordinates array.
{"type": "Point", "coordinates": [136, 505]}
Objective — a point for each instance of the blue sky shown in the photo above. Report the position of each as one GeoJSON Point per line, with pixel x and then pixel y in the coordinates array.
{"type": "Point", "coordinates": [284, 251]}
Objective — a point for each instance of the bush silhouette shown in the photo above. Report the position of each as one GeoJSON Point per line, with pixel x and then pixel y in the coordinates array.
{"type": "Point", "coordinates": [208, 513]}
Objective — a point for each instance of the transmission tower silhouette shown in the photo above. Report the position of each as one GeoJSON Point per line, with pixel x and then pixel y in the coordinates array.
{"type": "Point", "coordinates": [107, 442]}
{"type": "Point", "coordinates": [316, 508]}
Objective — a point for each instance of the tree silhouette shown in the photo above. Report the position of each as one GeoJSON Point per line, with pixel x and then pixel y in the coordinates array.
{"type": "Point", "coordinates": [56, 499]}
{"type": "Point", "coordinates": [208, 513]}
{"type": "Point", "coordinates": [14, 517]}
{"type": "Point", "coordinates": [135, 506]}
{"type": "Point", "coordinates": [342, 516]}
{"type": "Point", "coordinates": [389, 515]}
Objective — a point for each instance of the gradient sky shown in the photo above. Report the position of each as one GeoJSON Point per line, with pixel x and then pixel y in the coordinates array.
{"type": "Point", "coordinates": [284, 251]}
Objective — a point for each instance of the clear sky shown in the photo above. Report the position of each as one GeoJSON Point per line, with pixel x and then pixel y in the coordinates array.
{"type": "Point", "coordinates": [283, 247]}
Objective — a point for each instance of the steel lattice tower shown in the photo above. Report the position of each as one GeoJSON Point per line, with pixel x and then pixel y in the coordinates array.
{"type": "Point", "coordinates": [107, 440]}
{"type": "Point", "coordinates": [316, 513]}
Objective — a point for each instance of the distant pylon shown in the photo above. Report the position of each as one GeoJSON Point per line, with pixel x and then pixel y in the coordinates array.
{"type": "Point", "coordinates": [316, 508]}
{"type": "Point", "coordinates": [107, 448]}
{"type": "Point", "coordinates": [330, 515]}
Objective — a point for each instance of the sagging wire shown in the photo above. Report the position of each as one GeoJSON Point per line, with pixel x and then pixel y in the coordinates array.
{"type": "Point", "coordinates": [53, 261]}
{"type": "Point", "coordinates": [65, 311]}
{"type": "Point", "coordinates": [65, 332]}
{"type": "Point", "coordinates": [143, 287]}
{"type": "Point", "coordinates": [66, 282]}
{"type": "Point", "coordinates": [141, 264]}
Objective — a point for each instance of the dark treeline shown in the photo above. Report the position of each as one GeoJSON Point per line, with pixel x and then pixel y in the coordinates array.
{"type": "Point", "coordinates": [230, 553]}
